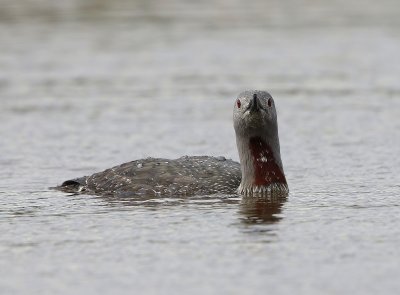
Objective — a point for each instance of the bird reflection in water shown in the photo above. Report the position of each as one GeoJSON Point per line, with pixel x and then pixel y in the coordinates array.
{"type": "Point", "coordinates": [261, 210]}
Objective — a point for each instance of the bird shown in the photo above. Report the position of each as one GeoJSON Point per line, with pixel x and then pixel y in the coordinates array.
{"type": "Point", "coordinates": [259, 173]}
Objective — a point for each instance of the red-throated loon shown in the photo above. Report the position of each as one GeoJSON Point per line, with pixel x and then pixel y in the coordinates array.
{"type": "Point", "coordinates": [260, 172]}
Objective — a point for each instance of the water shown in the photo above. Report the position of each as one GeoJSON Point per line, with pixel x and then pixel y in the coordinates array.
{"type": "Point", "coordinates": [88, 85]}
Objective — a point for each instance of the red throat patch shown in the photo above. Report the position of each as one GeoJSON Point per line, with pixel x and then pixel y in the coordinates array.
{"type": "Point", "coordinates": [266, 171]}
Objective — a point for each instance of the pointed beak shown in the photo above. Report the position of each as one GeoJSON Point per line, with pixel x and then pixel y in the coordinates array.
{"type": "Point", "coordinates": [254, 105]}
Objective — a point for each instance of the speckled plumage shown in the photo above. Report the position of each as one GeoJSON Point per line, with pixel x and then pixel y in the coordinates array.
{"type": "Point", "coordinates": [259, 173]}
{"type": "Point", "coordinates": [199, 175]}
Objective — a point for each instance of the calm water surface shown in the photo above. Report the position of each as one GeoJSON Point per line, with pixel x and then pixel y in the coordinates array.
{"type": "Point", "coordinates": [86, 87]}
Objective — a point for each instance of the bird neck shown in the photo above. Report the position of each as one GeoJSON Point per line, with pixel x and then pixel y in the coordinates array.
{"type": "Point", "coordinates": [261, 166]}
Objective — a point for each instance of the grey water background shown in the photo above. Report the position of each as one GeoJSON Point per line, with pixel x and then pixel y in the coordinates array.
{"type": "Point", "coordinates": [86, 85]}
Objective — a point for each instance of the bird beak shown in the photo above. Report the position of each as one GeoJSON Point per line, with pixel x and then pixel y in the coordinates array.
{"type": "Point", "coordinates": [254, 105]}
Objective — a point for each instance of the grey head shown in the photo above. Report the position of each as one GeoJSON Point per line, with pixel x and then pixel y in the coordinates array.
{"type": "Point", "coordinates": [257, 139]}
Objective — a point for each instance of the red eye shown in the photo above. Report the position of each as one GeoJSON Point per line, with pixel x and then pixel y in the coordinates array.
{"type": "Point", "coordinates": [238, 103]}
{"type": "Point", "coordinates": [269, 102]}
